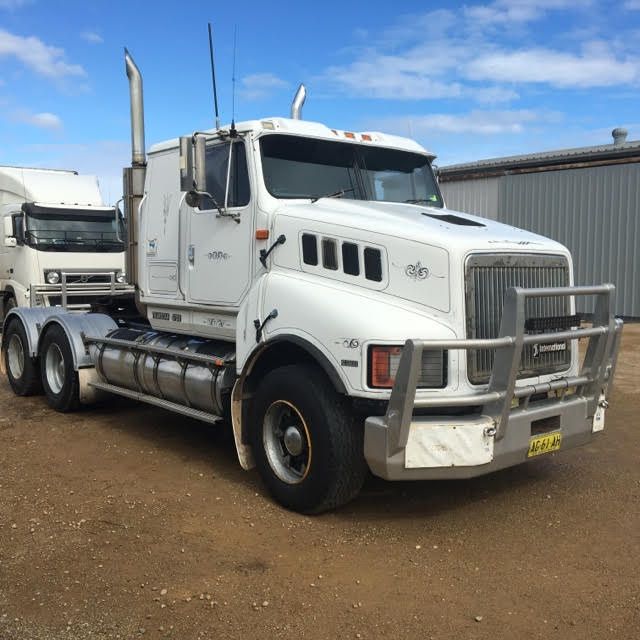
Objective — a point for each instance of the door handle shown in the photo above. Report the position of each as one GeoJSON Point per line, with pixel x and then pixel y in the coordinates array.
{"type": "Point", "coordinates": [191, 254]}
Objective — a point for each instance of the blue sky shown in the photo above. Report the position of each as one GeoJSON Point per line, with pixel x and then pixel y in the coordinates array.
{"type": "Point", "coordinates": [468, 80]}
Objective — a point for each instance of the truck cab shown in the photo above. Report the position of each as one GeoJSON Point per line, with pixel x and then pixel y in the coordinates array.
{"type": "Point", "coordinates": [60, 245]}
{"type": "Point", "coordinates": [309, 286]}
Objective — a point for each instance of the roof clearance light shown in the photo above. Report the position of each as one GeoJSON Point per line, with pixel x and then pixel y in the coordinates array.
{"type": "Point", "coordinates": [366, 137]}
{"type": "Point", "coordinates": [267, 124]}
{"type": "Point", "coordinates": [348, 134]}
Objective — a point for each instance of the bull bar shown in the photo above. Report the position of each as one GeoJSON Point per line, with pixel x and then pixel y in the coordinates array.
{"type": "Point", "coordinates": [67, 290]}
{"type": "Point", "coordinates": [401, 445]}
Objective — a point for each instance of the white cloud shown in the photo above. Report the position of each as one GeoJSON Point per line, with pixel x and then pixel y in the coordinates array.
{"type": "Point", "coordinates": [44, 120]}
{"type": "Point", "coordinates": [517, 11]}
{"type": "Point", "coordinates": [44, 59]}
{"type": "Point", "coordinates": [257, 86]}
{"type": "Point", "coordinates": [590, 69]}
{"type": "Point", "coordinates": [445, 55]}
{"type": "Point", "coordinates": [475, 122]}
{"type": "Point", "coordinates": [92, 37]}
{"type": "Point", "coordinates": [12, 5]}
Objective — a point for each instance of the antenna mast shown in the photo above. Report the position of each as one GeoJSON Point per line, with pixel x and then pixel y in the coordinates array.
{"type": "Point", "coordinates": [213, 79]}
{"type": "Point", "coordinates": [233, 81]}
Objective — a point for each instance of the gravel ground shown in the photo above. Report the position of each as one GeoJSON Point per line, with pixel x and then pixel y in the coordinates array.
{"type": "Point", "coordinates": [127, 522]}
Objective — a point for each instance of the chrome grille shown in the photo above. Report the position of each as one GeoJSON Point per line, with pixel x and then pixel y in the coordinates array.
{"type": "Point", "coordinates": [487, 279]}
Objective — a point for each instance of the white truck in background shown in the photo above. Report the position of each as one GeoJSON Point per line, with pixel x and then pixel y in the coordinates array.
{"type": "Point", "coordinates": [60, 245]}
{"type": "Point", "coordinates": [309, 286]}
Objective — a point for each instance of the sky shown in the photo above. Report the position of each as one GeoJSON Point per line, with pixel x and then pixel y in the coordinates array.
{"type": "Point", "coordinates": [467, 80]}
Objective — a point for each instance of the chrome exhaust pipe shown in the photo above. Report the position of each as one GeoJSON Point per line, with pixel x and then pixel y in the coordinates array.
{"type": "Point", "coordinates": [298, 101]}
{"type": "Point", "coordinates": [138, 156]}
{"type": "Point", "coordinates": [134, 177]}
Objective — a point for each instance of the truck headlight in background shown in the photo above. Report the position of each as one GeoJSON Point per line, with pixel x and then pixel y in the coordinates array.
{"type": "Point", "coordinates": [121, 277]}
{"type": "Point", "coordinates": [385, 360]}
{"type": "Point", "coordinates": [52, 277]}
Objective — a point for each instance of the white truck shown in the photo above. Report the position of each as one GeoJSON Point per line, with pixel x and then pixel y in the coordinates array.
{"type": "Point", "coordinates": [60, 245]}
{"type": "Point", "coordinates": [308, 285]}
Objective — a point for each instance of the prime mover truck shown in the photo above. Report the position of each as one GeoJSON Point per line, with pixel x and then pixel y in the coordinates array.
{"type": "Point", "coordinates": [60, 245]}
{"type": "Point", "coordinates": [308, 285]}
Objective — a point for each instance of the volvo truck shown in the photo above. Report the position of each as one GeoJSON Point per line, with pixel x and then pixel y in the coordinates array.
{"type": "Point", "coordinates": [60, 245]}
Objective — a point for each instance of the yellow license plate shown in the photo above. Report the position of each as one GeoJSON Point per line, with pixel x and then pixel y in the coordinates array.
{"type": "Point", "coordinates": [544, 444]}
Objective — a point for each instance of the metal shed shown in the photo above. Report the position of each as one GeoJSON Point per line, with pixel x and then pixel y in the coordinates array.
{"type": "Point", "coordinates": [587, 198]}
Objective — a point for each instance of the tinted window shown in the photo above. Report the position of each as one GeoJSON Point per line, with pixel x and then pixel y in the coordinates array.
{"type": "Point", "coordinates": [350, 259]}
{"type": "Point", "coordinates": [217, 164]}
{"type": "Point", "coordinates": [372, 264]}
{"type": "Point", "coordinates": [309, 249]}
{"type": "Point", "coordinates": [329, 255]}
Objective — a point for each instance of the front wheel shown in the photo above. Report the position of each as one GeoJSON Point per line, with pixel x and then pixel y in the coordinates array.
{"type": "Point", "coordinates": [307, 446]}
{"type": "Point", "coordinates": [59, 378]}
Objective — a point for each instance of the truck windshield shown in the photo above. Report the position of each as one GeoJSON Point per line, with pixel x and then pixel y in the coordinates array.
{"type": "Point", "coordinates": [297, 167]}
{"type": "Point", "coordinates": [77, 230]}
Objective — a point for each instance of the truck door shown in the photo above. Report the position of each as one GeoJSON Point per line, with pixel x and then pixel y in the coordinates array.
{"type": "Point", "coordinates": [220, 248]}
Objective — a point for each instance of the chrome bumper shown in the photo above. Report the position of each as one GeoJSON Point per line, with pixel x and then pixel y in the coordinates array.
{"type": "Point", "coordinates": [41, 294]}
{"type": "Point", "coordinates": [401, 446]}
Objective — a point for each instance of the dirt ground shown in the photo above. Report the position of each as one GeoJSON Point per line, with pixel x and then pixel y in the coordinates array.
{"type": "Point", "coordinates": [126, 522]}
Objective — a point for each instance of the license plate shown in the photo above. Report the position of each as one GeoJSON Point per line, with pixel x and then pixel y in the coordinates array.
{"type": "Point", "coordinates": [544, 444]}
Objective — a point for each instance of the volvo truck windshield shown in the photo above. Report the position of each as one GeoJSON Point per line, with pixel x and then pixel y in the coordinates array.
{"type": "Point", "coordinates": [77, 230]}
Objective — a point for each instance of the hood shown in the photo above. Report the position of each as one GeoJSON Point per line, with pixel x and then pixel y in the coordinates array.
{"type": "Point", "coordinates": [436, 226]}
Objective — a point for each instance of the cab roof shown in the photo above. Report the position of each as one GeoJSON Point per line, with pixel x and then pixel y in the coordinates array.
{"type": "Point", "coordinates": [310, 129]}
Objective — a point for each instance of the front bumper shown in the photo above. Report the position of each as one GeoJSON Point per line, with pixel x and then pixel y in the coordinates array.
{"type": "Point", "coordinates": [78, 294]}
{"type": "Point", "coordinates": [404, 446]}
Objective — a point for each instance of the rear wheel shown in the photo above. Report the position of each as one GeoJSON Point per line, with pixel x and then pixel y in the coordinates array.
{"type": "Point", "coordinates": [307, 446]}
{"type": "Point", "coordinates": [21, 368]}
{"type": "Point", "coordinates": [59, 378]}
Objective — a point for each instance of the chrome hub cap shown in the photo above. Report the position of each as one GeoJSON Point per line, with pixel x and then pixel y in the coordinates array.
{"type": "Point", "coordinates": [54, 368]}
{"type": "Point", "coordinates": [286, 442]}
{"type": "Point", "coordinates": [15, 356]}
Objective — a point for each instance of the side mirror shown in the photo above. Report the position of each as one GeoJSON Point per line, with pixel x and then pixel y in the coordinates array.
{"type": "Point", "coordinates": [193, 172]}
{"type": "Point", "coordinates": [9, 238]}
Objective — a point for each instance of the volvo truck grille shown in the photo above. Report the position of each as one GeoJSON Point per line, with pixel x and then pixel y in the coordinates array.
{"type": "Point", "coordinates": [487, 279]}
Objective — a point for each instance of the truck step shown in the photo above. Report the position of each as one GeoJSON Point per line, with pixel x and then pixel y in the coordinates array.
{"type": "Point", "coordinates": [158, 402]}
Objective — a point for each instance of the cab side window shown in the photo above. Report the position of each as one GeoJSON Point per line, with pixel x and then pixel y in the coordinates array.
{"type": "Point", "coordinates": [217, 164]}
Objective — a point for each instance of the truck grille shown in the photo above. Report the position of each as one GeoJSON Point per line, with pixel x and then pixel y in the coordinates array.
{"type": "Point", "coordinates": [487, 279]}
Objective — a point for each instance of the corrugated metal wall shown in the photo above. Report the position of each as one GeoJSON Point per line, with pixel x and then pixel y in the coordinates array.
{"type": "Point", "coordinates": [594, 211]}
{"type": "Point", "coordinates": [473, 196]}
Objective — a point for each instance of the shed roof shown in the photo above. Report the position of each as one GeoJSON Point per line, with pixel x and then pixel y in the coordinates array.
{"type": "Point", "coordinates": [546, 160]}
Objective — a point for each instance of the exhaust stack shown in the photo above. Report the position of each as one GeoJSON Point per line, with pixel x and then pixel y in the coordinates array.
{"type": "Point", "coordinates": [134, 176]}
{"type": "Point", "coordinates": [298, 101]}
{"type": "Point", "coordinates": [136, 101]}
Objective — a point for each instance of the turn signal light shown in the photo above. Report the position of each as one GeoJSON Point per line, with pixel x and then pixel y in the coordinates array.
{"type": "Point", "coordinates": [385, 360]}
{"type": "Point", "coordinates": [262, 234]}
{"type": "Point", "coordinates": [384, 366]}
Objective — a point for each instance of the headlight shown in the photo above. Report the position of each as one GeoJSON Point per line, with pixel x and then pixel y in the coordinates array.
{"type": "Point", "coordinates": [121, 277]}
{"type": "Point", "coordinates": [384, 362]}
{"type": "Point", "coordinates": [53, 277]}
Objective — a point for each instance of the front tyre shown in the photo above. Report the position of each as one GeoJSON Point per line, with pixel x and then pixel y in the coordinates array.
{"type": "Point", "coordinates": [59, 378]}
{"type": "Point", "coordinates": [21, 368]}
{"type": "Point", "coordinates": [307, 446]}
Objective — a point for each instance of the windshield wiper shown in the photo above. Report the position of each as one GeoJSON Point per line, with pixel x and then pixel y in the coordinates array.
{"type": "Point", "coordinates": [335, 194]}
{"type": "Point", "coordinates": [421, 201]}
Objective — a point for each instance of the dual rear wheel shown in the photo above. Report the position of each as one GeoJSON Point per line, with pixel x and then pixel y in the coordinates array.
{"type": "Point", "coordinates": [52, 371]}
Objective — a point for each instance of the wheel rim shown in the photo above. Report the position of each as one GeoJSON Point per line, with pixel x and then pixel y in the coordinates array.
{"type": "Point", "coordinates": [54, 368]}
{"type": "Point", "coordinates": [15, 356]}
{"type": "Point", "coordinates": [286, 442]}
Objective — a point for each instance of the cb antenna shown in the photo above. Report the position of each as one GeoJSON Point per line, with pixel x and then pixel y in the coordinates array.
{"type": "Point", "coordinates": [213, 79]}
{"type": "Point", "coordinates": [233, 131]}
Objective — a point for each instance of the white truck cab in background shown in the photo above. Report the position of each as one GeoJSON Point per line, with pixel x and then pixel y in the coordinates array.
{"type": "Point", "coordinates": [60, 245]}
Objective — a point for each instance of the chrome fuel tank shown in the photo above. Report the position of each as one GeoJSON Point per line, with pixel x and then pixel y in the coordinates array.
{"type": "Point", "coordinates": [164, 375]}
